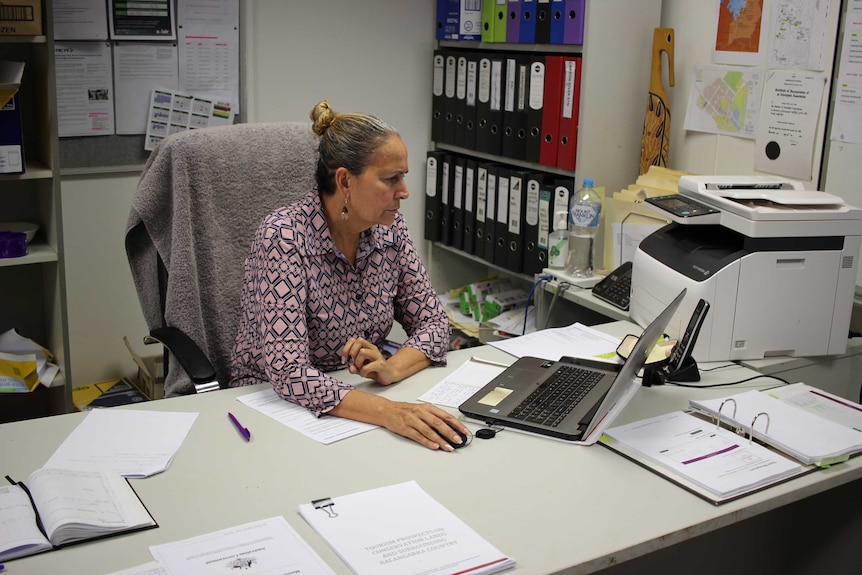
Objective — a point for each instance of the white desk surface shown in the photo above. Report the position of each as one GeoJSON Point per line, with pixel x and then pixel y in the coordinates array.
{"type": "Point", "coordinates": [524, 494]}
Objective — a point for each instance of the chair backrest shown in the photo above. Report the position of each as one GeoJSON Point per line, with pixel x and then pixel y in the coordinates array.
{"type": "Point", "coordinates": [200, 199]}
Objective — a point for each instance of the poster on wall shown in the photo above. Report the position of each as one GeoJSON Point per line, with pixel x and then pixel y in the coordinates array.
{"type": "Point", "coordinates": [788, 123]}
{"type": "Point", "coordinates": [737, 33]}
{"type": "Point", "coordinates": [80, 20]}
{"type": "Point", "coordinates": [152, 20]}
{"type": "Point", "coordinates": [85, 89]}
{"type": "Point", "coordinates": [140, 68]}
{"type": "Point", "coordinates": [208, 39]}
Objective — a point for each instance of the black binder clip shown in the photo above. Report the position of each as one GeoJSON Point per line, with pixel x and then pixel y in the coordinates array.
{"type": "Point", "coordinates": [326, 505]}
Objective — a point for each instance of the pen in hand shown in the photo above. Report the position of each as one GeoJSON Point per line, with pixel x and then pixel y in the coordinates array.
{"type": "Point", "coordinates": [246, 434]}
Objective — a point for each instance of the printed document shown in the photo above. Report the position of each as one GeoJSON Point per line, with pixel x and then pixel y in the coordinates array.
{"type": "Point", "coordinates": [401, 530]}
{"type": "Point", "coordinates": [461, 384]}
{"type": "Point", "coordinates": [262, 547]}
{"type": "Point", "coordinates": [327, 429]}
{"type": "Point", "coordinates": [718, 460]}
{"type": "Point", "coordinates": [576, 340]}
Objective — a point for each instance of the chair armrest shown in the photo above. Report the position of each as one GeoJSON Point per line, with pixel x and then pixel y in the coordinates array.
{"type": "Point", "coordinates": [192, 359]}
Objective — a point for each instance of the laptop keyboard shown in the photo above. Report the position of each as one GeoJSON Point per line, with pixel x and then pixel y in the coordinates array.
{"type": "Point", "coordinates": [552, 401]}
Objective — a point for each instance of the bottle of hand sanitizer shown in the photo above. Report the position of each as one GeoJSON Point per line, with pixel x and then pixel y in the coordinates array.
{"type": "Point", "coordinates": [558, 242]}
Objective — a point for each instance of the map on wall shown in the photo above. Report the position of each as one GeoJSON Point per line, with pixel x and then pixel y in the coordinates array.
{"type": "Point", "coordinates": [737, 35]}
{"type": "Point", "coordinates": [724, 100]}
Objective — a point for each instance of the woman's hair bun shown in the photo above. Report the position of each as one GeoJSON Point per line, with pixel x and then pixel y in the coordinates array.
{"type": "Point", "coordinates": [322, 115]}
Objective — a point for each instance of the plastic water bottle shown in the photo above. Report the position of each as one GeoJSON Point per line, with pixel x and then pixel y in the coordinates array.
{"type": "Point", "coordinates": [558, 242]}
{"type": "Point", "coordinates": [585, 208]}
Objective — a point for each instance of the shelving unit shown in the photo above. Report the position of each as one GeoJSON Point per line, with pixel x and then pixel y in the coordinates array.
{"type": "Point", "coordinates": [615, 74]}
{"type": "Point", "coordinates": [32, 287]}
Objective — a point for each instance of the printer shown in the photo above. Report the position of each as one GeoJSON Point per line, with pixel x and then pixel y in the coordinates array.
{"type": "Point", "coordinates": [777, 264]}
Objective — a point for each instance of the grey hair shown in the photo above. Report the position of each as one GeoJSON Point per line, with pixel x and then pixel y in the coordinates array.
{"type": "Point", "coordinates": [346, 140]}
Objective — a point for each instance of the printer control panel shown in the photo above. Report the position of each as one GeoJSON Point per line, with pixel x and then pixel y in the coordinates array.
{"type": "Point", "coordinates": [685, 210]}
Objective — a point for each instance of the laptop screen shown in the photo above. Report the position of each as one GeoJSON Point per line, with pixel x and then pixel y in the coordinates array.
{"type": "Point", "coordinates": [636, 360]}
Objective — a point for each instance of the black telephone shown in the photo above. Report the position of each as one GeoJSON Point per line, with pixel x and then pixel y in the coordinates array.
{"type": "Point", "coordinates": [616, 287]}
{"type": "Point", "coordinates": [682, 366]}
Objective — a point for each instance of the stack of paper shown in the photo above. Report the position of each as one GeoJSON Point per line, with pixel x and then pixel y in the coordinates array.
{"type": "Point", "coordinates": [799, 432]}
{"type": "Point", "coordinates": [401, 530]}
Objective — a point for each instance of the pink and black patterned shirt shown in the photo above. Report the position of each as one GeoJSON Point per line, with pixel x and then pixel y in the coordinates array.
{"type": "Point", "coordinates": [301, 300]}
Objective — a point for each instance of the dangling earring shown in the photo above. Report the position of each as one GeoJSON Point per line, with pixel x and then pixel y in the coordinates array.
{"type": "Point", "coordinates": [344, 214]}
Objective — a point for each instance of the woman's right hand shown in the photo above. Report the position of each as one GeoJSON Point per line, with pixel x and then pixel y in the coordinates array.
{"type": "Point", "coordinates": [424, 423]}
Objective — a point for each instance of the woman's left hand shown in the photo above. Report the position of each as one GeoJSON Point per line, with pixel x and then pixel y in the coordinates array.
{"type": "Point", "coordinates": [365, 359]}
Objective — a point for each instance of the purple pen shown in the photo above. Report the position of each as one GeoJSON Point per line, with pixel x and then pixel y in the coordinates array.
{"type": "Point", "coordinates": [246, 434]}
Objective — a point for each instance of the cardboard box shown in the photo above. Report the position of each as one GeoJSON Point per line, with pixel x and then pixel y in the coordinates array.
{"type": "Point", "coordinates": [151, 373]}
{"type": "Point", "coordinates": [21, 18]}
{"type": "Point", "coordinates": [106, 394]}
{"type": "Point", "coordinates": [11, 138]}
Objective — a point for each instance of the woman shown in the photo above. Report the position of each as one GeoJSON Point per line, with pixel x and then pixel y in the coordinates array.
{"type": "Point", "coordinates": [326, 277]}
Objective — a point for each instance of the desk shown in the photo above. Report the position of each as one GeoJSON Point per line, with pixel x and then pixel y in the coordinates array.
{"type": "Point", "coordinates": [554, 507]}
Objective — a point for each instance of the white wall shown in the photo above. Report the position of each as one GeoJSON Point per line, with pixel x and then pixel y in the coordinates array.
{"type": "Point", "coordinates": [296, 53]}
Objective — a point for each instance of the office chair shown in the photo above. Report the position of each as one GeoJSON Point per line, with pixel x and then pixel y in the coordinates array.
{"type": "Point", "coordinates": [199, 200]}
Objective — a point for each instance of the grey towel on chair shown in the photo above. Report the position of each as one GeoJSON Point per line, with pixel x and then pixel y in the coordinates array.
{"type": "Point", "coordinates": [200, 199]}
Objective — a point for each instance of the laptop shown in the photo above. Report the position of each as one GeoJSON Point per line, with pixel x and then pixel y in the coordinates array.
{"type": "Point", "coordinates": [571, 399]}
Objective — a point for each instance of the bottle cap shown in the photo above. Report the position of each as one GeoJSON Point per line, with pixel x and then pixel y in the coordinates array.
{"type": "Point", "coordinates": [588, 182]}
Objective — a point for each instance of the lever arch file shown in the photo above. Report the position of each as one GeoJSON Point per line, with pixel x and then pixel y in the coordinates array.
{"type": "Point", "coordinates": [724, 448]}
{"type": "Point", "coordinates": [401, 530]}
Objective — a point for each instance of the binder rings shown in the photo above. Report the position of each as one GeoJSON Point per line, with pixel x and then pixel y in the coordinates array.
{"type": "Point", "coordinates": [766, 436]}
{"type": "Point", "coordinates": [501, 227]}
{"type": "Point", "coordinates": [527, 32]}
{"type": "Point", "coordinates": [575, 18]}
{"type": "Point", "coordinates": [490, 214]}
{"type": "Point", "coordinates": [433, 185]}
{"type": "Point", "coordinates": [513, 26]}
{"type": "Point", "coordinates": [460, 131]}
{"type": "Point", "coordinates": [568, 144]}
{"type": "Point", "coordinates": [543, 22]}
{"type": "Point", "coordinates": [446, 183]}
{"type": "Point", "coordinates": [437, 87]}
{"type": "Point", "coordinates": [515, 227]}
{"type": "Point", "coordinates": [469, 225]}
{"type": "Point", "coordinates": [553, 96]}
{"type": "Point", "coordinates": [449, 103]}
{"type": "Point", "coordinates": [456, 217]}
{"type": "Point", "coordinates": [808, 424]}
{"type": "Point", "coordinates": [535, 109]}
{"type": "Point", "coordinates": [710, 461]}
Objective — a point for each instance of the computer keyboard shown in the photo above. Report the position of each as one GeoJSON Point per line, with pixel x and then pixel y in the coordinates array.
{"type": "Point", "coordinates": [552, 401]}
{"type": "Point", "coordinates": [616, 287]}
